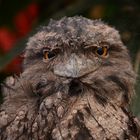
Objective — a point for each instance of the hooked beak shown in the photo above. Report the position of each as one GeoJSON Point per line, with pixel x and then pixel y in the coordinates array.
{"type": "Point", "coordinates": [76, 66]}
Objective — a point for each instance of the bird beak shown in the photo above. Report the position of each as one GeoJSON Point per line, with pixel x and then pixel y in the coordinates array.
{"type": "Point", "coordinates": [75, 66]}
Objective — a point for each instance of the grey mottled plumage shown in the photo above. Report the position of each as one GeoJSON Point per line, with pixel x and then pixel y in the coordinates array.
{"type": "Point", "coordinates": [77, 84]}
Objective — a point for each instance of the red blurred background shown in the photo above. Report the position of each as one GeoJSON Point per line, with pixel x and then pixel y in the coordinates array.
{"type": "Point", "coordinates": [23, 22]}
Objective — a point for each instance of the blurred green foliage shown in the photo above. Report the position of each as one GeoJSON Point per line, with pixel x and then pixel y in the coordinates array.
{"type": "Point", "coordinates": [123, 15]}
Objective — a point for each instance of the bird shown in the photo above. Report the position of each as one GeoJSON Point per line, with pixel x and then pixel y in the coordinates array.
{"type": "Point", "coordinates": [77, 83]}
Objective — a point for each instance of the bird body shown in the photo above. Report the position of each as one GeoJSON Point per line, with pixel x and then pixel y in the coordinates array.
{"type": "Point", "coordinates": [77, 84]}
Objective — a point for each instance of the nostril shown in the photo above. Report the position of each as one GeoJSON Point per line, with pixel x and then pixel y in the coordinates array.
{"type": "Point", "coordinates": [75, 87]}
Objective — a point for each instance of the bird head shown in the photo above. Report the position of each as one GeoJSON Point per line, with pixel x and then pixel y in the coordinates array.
{"type": "Point", "coordinates": [80, 54]}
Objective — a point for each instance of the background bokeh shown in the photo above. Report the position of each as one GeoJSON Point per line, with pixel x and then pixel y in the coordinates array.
{"type": "Point", "coordinates": [19, 20]}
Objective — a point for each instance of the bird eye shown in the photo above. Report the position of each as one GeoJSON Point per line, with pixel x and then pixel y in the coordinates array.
{"type": "Point", "coordinates": [48, 54]}
{"type": "Point", "coordinates": [102, 51]}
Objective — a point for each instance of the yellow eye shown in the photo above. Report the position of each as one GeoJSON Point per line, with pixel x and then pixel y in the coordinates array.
{"type": "Point", "coordinates": [101, 51]}
{"type": "Point", "coordinates": [48, 55]}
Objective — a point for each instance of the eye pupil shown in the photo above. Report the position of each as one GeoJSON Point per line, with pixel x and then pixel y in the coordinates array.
{"type": "Point", "coordinates": [100, 51]}
{"type": "Point", "coordinates": [51, 55]}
